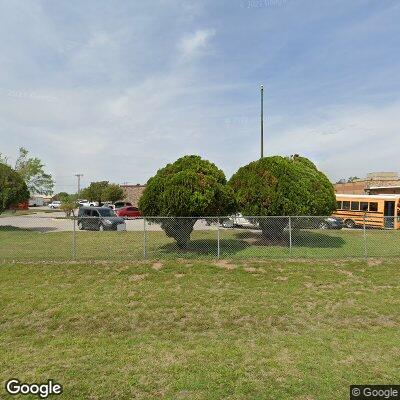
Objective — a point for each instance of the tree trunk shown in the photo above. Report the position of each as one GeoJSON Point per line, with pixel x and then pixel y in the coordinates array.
{"type": "Point", "coordinates": [179, 229]}
{"type": "Point", "coordinates": [273, 229]}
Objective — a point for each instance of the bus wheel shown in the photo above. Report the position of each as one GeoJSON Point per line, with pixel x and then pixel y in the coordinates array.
{"type": "Point", "coordinates": [349, 223]}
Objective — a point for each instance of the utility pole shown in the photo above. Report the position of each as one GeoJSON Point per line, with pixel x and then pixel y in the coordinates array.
{"type": "Point", "coordinates": [262, 121]}
{"type": "Point", "coordinates": [79, 176]}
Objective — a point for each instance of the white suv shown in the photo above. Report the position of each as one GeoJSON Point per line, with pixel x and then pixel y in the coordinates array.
{"type": "Point", "coordinates": [55, 204]}
{"type": "Point", "coordinates": [85, 203]}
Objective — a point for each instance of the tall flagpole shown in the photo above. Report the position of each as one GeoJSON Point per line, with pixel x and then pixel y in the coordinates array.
{"type": "Point", "coordinates": [262, 121]}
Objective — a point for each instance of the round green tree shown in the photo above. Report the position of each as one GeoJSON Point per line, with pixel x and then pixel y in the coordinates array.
{"type": "Point", "coordinates": [13, 189]}
{"type": "Point", "coordinates": [282, 186]}
{"type": "Point", "coordinates": [113, 193]}
{"type": "Point", "coordinates": [190, 187]}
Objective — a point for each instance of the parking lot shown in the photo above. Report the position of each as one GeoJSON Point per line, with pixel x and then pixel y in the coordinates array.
{"type": "Point", "coordinates": [56, 221]}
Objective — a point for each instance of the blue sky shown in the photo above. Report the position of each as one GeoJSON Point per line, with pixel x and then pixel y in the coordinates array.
{"type": "Point", "coordinates": [116, 89]}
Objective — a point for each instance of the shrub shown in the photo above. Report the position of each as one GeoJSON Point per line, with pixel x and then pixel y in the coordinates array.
{"type": "Point", "coordinates": [13, 189]}
{"type": "Point", "coordinates": [282, 186]}
{"type": "Point", "coordinates": [189, 187]}
{"type": "Point", "coordinates": [102, 191]}
{"type": "Point", "coordinates": [68, 206]}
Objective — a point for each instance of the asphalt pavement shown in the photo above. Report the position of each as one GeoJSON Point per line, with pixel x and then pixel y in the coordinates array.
{"type": "Point", "coordinates": [56, 222]}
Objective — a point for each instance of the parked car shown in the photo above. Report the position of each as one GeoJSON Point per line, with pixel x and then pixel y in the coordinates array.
{"type": "Point", "coordinates": [108, 204]}
{"type": "Point", "coordinates": [239, 221]}
{"type": "Point", "coordinates": [316, 223]}
{"type": "Point", "coordinates": [331, 223]}
{"type": "Point", "coordinates": [86, 203]}
{"type": "Point", "coordinates": [121, 204]}
{"type": "Point", "coordinates": [301, 223]}
{"type": "Point", "coordinates": [99, 219]}
{"type": "Point", "coordinates": [128, 212]}
{"type": "Point", "coordinates": [55, 204]}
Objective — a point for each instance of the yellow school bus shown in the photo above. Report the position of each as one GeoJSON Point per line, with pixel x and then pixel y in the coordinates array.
{"type": "Point", "coordinates": [380, 211]}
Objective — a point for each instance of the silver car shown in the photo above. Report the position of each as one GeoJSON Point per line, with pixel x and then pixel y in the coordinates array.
{"type": "Point", "coordinates": [238, 220]}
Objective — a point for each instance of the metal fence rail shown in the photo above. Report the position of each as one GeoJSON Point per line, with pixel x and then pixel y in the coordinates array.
{"type": "Point", "coordinates": [55, 237]}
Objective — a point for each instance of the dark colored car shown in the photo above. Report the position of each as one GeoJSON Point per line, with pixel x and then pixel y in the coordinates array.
{"type": "Point", "coordinates": [331, 223]}
{"type": "Point", "coordinates": [317, 223]}
{"type": "Point", "coordinates": [128, 212]}
{"type": "Point", "coordinates": [99, 219]}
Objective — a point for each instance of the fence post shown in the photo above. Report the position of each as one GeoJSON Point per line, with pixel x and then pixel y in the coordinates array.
{"type": "Point", "coordinates": [218, 240]}
{"type": "Point", "coordinates": [290, 235]}
{"type": "Point", "coordinates": [74, 239]}
{"type": "Point", "coordinates": [365, 240]}
{"type": "Point", "coordinates": [144, 238]}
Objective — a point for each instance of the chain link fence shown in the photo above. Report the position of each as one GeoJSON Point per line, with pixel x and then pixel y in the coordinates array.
{"type": "Point", "coordinates": [46, 237]}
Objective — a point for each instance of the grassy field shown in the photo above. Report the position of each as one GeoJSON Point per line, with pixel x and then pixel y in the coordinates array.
{"type": "Point", "coordinates": [201, 329]}
{"type": "Point", "coordinates": [31, 211]}
{"type": "Point", "coordinates": [16, 244]}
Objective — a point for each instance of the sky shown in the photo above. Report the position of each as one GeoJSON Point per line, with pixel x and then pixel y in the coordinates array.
{"type": "Point", "coordinates": [115, 90]}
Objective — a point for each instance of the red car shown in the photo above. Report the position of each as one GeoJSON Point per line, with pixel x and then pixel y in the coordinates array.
{"type": "Point", "coordinates": [128, 212]}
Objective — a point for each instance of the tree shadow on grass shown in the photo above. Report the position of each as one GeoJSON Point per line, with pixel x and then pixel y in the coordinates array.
{"type": "Point", "coordinates": [300, 238]}
{"type": "Point", "coordinates": [307, 238]}
{"type": "Point", "coordinates": [251, 238]}
{"type": "Point", "coordinates": [40, 229]}
{"type": "Point", "coordinates": [204, 247]}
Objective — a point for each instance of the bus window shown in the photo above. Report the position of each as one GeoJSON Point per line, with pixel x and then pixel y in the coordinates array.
{"type": "Point", "coordinates": [364, 206]}
{"type": "Point", "coordinates": [338, 205]}
{"type": "Point", "coordinates": [373, 207]}
{"type": "Point", "coordinates": [355, 205]}
{"type": "Point", "coordinates": [346, 205]}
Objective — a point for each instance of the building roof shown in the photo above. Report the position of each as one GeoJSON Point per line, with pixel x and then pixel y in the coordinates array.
{"type": "Point", "coordinates": [384, 187]}
{"type": "Point", "coordinates": [377, 176]}
{"type": "Point", "coordinates": [370, 196]}
{"type": "Point", "coordinates": [129, 185]}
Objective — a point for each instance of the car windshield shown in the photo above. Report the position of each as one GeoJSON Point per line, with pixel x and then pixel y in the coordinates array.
{"type": "Point", "coordinates": [106, 212]}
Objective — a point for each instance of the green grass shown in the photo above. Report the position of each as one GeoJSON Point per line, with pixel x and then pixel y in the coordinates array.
{"type": "Point", "coordinates": [201, 329]}
{"type": "Point", "coordinates": [16, 213]}
{"type": "Point", "coordinates": [18, 244]}
{"type": "Point", "coordinates": [31, 211]}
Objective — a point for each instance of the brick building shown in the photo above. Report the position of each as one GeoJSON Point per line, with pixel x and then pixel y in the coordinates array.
{"type": "Point", "coordinates": [132, 193]}
{"type": "Point", "coordinates": [373, 183]}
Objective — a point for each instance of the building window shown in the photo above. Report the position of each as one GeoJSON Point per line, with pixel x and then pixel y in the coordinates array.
{"type": "Point", "coordinates": [346, 205]}
{"type": "Point", "coordinates": [373, 207]}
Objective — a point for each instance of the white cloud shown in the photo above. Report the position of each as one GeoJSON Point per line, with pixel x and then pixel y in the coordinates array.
{"type": "Point", "coordinates": [117, 93]}
{"type": "Point", "coordinates": [348, 140]}
{"type": "Point", "coordinates": [196, 42]}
